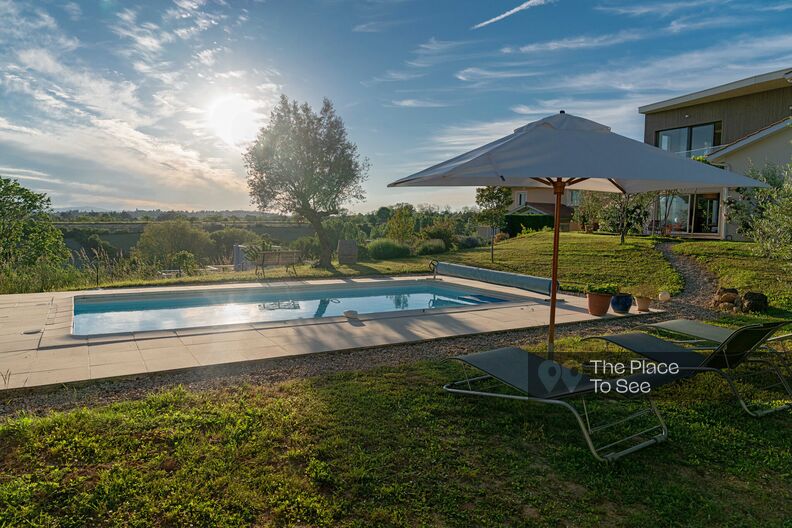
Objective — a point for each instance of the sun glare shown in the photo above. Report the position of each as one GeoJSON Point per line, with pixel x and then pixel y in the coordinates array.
{"type": "Point", "coordinates": [234, 118]}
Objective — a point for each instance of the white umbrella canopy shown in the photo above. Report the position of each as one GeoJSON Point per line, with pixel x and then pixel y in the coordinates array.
{"type": "Point", "coordinates": [563, 151]}
{"type": "Point", "coordinates": [573, 148]}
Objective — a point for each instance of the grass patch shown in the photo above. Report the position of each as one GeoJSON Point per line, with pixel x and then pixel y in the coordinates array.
{"type": "Point", "coordinates": [584, 258]}
{"type": "Point", "coordinates": [386, 447]}
{"type": "Point", "coordinates": [737, 265]}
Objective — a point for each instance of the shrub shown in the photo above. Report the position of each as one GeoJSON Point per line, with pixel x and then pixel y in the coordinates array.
{"type": "Point", "coordinates": [500, 237]}
{"type": "Point", "coordinates": [443, 229]}
{"type": "Point", "coordinates": [467, 242]}
{"type": "Point", "coordinates": [431, 247]}
{"type": "Point", "coordinates": [385, 248]}
{"type": "Point", "coordinates": [308, 246]}
{"type": "Point", "coordinates": [183, 261]}
{"type": "Point", "coordinates": [607, 288]}
{"type": "Point", "coordinates": [41, 276]}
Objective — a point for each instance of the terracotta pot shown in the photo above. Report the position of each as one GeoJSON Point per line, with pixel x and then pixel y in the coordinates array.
{"type": "Point", "coordinates": [643, 303]}
{"type": "Point", "coordinates": [598, 303]}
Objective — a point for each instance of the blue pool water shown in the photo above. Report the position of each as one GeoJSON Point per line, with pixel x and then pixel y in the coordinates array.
{"type": "Point", "coordinates": [109, 314]}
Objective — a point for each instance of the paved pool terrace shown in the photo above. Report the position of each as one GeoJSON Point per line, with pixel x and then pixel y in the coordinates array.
{"type": "Point", "coordinates": [37, 348]}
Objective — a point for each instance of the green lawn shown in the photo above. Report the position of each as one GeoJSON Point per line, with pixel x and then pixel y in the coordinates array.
{"type": "Point", "coordinates": [584, 258]}
{"type": "Point", "coordinates": [386, 447]}
{"type": "Point", "coordinates": [737, 265]}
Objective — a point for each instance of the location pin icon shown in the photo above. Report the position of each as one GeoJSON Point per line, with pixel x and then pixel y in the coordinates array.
{"type": "Point", "coordinates": [571, 378]}
{"type": "Point", "coordinates": [549, 374]}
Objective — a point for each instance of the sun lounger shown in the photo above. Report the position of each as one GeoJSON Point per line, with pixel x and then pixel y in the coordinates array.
{"type": "Point", "coordinates": [695, 332]}
{"type": "Point", "coordinates": [531, 377]}
{"type": "Point", "coordinates": [736, 350]}
{"type": "Point", "coordinates": [706, 332]}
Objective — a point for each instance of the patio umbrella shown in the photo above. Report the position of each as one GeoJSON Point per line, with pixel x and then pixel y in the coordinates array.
{"type": "Point", "coordinates": [564, 151]}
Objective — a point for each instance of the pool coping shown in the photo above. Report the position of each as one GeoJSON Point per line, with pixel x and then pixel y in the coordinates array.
{"type": "Point", "coordinates": [53, 357]}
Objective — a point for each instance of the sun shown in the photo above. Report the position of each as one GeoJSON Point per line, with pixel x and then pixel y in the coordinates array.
{"type": "Point", "coordinates": [234, 118]}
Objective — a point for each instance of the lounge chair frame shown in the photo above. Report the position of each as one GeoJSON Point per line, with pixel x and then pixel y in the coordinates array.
{"type": "Point", "coordinates": [603, 453]}
{"type": "Point", "coordinates": [731, 380]}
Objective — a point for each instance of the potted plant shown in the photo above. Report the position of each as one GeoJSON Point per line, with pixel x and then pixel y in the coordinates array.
{"type": "Point", "coordinates": [599, 297]}
{"type": "Point", "coordinates": [621, 302]}
{"type": "Point", "coordinates": [643, 293]}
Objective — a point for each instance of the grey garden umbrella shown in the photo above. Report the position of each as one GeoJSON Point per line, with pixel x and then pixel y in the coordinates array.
{"type": "Point", "coordinates": [562, 151]}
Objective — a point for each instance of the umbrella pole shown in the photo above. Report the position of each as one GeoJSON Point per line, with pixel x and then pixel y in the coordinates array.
{"type": "Point", "coordinates": [558, 190]}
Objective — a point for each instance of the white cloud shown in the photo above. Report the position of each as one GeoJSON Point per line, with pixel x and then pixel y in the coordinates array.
{"type": "Point", "coordinates": [394, 76]}
{"type": "Point", "coordinates": [206, 57]}
{"type": "Point", "coordinates": [482, 74]}
{"type": "Point", "coordinates": [522, 7]}
{"type": "Point", "coordinates": [73, 10]}
{"type": "Point", "coordinates": [692, 70]}
{"type": "Point", "coordinates": [658, 8]}
{"type": "Point", "coordinates": [581, 42]}
{"type": "Point", "coordinates": [418, 103]}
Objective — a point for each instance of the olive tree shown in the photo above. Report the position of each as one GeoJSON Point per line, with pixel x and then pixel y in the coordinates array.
{"type": "Point", "coordinates": [302, 163]}
{"type": "Point", "coordinates": [494, 203]}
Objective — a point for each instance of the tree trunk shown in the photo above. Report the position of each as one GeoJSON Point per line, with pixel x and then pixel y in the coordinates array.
{"type": "Point", "coordinates": [325, 251]}
{"type": "Point", "coordinates": [623, 230]}
{"type": "Point", "coordinates": [492, 245]}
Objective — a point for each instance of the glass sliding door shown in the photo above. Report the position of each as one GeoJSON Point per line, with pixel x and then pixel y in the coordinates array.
{"type": "Point", "coordinates": [706, 214]}
{"type": "Point", "coordinates": [674, 213]}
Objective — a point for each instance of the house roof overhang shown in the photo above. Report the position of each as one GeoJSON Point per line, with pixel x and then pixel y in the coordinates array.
{"type": "Point", "coordinates": [747, 86]}
{"type": "Point", "coordinates": [751, 138]}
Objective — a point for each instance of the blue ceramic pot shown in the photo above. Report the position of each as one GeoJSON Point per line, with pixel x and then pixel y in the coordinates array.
{"type": "Point", "coordinates": [621, 303]}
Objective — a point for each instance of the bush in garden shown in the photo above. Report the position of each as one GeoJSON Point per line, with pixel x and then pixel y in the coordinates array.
{"type": "Point", "coordinates": [385, 248]}
{"type": "Point", "coordinates": [468, 242]}
{"type": "Point", "coordinates": [443, 229]}
{"type": "Point", "coordinates": [308, 246]}
{"type": "Point", "coordinates": [431, 247]}
{"type": "Point", "coordinates": [500, 237]}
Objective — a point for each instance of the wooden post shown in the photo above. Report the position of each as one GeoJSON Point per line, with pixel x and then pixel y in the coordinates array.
{"type": "Point", "coordinates": [558, 190]}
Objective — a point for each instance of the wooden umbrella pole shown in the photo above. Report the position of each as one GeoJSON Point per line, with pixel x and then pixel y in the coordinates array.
{"type": "Point", "coordinates": [558, 190]}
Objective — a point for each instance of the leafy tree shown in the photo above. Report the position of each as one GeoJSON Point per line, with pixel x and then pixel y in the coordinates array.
{"type": "Point", "coordinates": [442, 229]}
{"type": "Point", "coordinates": [161, 240]}
{"type": "Point", "coordinates": [625, 213]}
{"type": "Point", "coordinates": [27, 234]}
{"type": "Point", "coordinates": [383, 214]}
{"type": "Point", "coordinates": [302, 163]}
{"type": "Point", "coordinates": [750, 204]}
{"type": "Point", "coordinates": [494, 203]}
{"type": "Point", "coordinates": [184, 261]}
{"type": "Point", "coordinates": [771, 229]}
{"type": "Point", "coordinates": [588, 211]}
{"type": "Point", "coordinates": [401, 224]}
{"type": "Point", "coordinates": [225, 239]}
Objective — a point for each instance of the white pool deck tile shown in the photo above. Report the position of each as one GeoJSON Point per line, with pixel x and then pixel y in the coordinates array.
{"type": "Point", "coordinates": [37, 348]}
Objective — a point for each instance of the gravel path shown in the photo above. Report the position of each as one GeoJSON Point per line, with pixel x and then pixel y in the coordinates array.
{"type": "Point", "coordinates": [699, 287]}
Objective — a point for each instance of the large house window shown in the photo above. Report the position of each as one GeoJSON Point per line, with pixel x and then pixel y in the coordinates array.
{"type": "Point", "coordinates": [522, 198]}
{"type": "Point", "coordinates": [691, 141]}
{"type": "Point", "coordinates": [689, 213]}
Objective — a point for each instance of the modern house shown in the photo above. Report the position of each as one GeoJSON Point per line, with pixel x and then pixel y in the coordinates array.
{"type": "Point", "coordinates": [739, 125]}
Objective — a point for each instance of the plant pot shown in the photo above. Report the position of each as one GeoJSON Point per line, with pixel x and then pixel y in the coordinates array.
{"type": "Point", "coordinates": [643, 303]}
{"type": "Point", "coordinates": [621, 303]}
{"type": "Point", "coordinates": [598, 303]}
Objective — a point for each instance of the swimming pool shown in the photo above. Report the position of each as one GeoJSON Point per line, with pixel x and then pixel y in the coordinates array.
{"type": "Point", "coordinates": [121, 313]}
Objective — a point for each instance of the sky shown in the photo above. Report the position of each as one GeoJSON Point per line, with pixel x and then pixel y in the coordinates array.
{"type": "Point", "coordinates": [123, 105]}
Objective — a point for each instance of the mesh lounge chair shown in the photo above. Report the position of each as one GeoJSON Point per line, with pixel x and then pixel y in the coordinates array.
{"type": "Point", "coordinates": [733, 351]}
{"type": "Point", "coordinates": [523, 372]}
{"type": "Point", "coordinates": [698, 333]}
